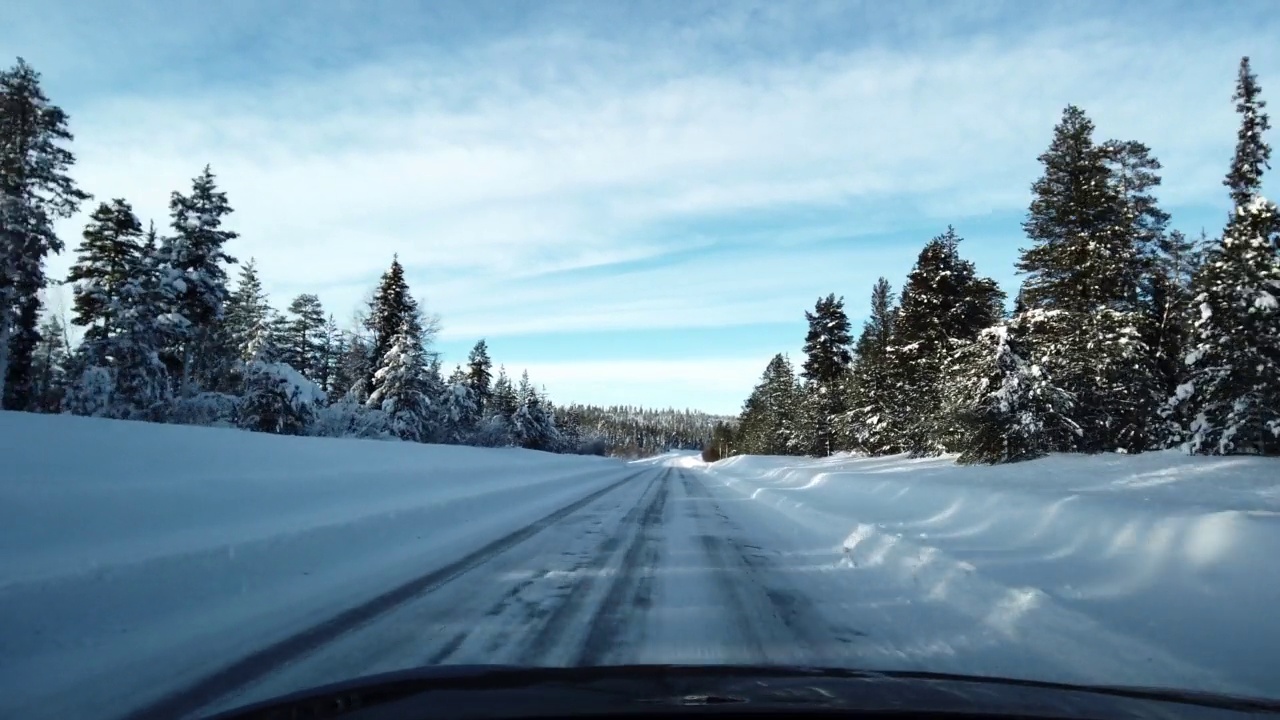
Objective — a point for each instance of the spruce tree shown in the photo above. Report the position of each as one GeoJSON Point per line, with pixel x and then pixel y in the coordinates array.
{"type": "Point", "coordinates": [1232, 394]}
{"type": "Point", "coordinates": [944, 305]}
{"type": "Point", "coordinates": [827, 359]}
{"type": "Point", "coordinates": [35, 190]}
{"type": "Point", "coordinates": [505, 401]}
{"type": "Point", "coordinates": [1253, 154]}
{"type": "Point", "coordinates": [873, 396]}
{"type": "Point", "coordinates": [274, 398]}
{"type": "Point", "coordinates": [50, 366]}
{"type": "Point", "coordinates": [400, 388]}
{"type": "Point", "coordinates": [392, 312]}
{"type": "Point", "coordinates": [194, 262]}
{"type": "Point", "coordinates": [304, 336]}
{"type": "Point", "coordinates": [770, 417]}
{"type": "Point", "coordinates": [480, 375]}
{"type": "Point", "coordinates": [1000, 408]}
{"type": "Point", "coordinates": [533, 424]}
{"type": "Point", "coordinates": [331, 349]}
{"type": "Point", "coordinates": [459, 412]}
{"type": "Point", "coordinates": [1091, 239]}
{"type": "Point", "coordinates": [247, 309]}
{"type": "Point", "coordinates": [119, 370]}
{"type": "Point", "coordinates": [110, 251]}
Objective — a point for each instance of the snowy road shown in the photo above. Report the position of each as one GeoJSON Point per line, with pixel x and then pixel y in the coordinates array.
{"type": "Point", "coordinates": [134, 583]}
{"type": "Point", "coordinates": [652, 569]}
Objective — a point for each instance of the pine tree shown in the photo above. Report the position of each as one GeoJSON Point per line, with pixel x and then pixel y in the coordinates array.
{"type": "Point", "coordinates": [247, 309]}
{"type": "Point", "coordinates": [194, 262]}
{"type": "Point", "coordinates": [533, 425]}
{"type": "Point", "coordinates": [1168, 332]}
{"type": "Point", "coordinates": [480, 375]}
{"type": "Point", "coordinates": [827, 359]}
{"type": "Point", "coordinates": [460, 413]}
{"type": "Point", "coordinates": [275, 397]}
{"type": "Point", "coordinates": [355, 366]}
{"type": "Point", "coordinates": [944, 306]}
{"type": "Point", "coordinates": [118, 365]}
{"type": "Point", "coordinates": [1232, 394]}
{"type": "Point", "coordinates": [770, 417]}
{"type": "Point", "coordinates": [873, 397]}
{"type": "Point", "coordinates": [1093, 236]}
{"type": "Point", "coordinates": [505, 400]}
{"type": "Point", "coordinates": [303, 336]}
{"type": "Point", "coordinates": [524, 389]}
{"type": "Point", "coordinates": [1253, 154]}
{"type": "Point", "coordinates": [35, 190]}
{"type": "Point", "coordinates": [49, 367]}
{"type": "Point", "coordinates": [1000, 407]}
{"type": "Point", "coordinates": [110, 251]}
{"type": "Point", "coordinates": [392, 311]}
{"type": "Point", "coordinates": [142, 383]}
{"type": "Point", "coordinates": [331, 348]}
{"type": "Point", "coordinates": [401, 390]}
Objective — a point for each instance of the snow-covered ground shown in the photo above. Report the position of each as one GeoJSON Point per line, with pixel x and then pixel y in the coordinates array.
{"type": "Point", "coordinates": [136, 557]}
{"type": "Point", "coordinates": [1150, 569]}
{"type": "Point", "coordinates": [176, 570]}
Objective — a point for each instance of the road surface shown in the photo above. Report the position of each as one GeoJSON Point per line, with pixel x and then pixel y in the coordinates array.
{"type": "Point", "coordinates": [653, 569]}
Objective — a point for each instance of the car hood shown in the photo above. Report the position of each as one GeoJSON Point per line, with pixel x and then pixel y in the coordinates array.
{"type": "Point", "coordinates": [484, 692]}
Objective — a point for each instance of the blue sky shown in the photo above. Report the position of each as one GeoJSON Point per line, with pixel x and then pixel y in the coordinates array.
{"type": "Point", "coordinates": [635, 200]}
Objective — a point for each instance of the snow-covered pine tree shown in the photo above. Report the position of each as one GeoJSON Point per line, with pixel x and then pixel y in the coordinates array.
{"type": "Point", "coordinates": [505, 400]}
{"type": "Point", "coordinates": [194, 264]}
{"type": "Point", "coordinates": [1168, 331]}
{"type": "Point", "coordinates": [998, 405]}
{"type": "Point", "coordinates": [276, 398]}
{"type": "Point", "coordinates": [944, 305]}
{"type": "Point", "coordinates": [354, 367]}
{"type": "Point", "coordinates": [400, 388]}
{"type": "Point", "coordinates": [1086, 266]}
{"type": "Point", "coordinates": [247, 309]}
{"type": "Point", "coordinates": [770, 417]}
{"type": "Point", "coordinates": [1232, 393]}
{"type": "Point", "coordinates": [392, 311]}
{"type": "Point", "coordinates": [533, 425]}
{"type": "Point", "coordinates": [142, 383]}
{"type": "Point", "coordinates": [50, 366]}
{"type": "Point", "coordinates": [480, 375]}
{"type": "Point", "coordinates": [873, 422]}
{"type": "Point", "coordinates": [121, 307]}
{"type": "Point", "coordinates": [110, 251]}
{"type": "Point", "coordinates": [826, 364]}
{"type": "Point", "coordinates": [35, 190]}
{"type": "Point", "coordinates": [303, 337]}
{"type": "Point", "coordinates": [331, 348]}
{"type": "Point", "coordinates": [459, 413]}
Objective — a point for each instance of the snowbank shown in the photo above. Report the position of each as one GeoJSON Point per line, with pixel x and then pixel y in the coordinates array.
{"type": "Point", "coordinates": [134, 556]}
{"type": "Point", "coordinates": [1135, 567]}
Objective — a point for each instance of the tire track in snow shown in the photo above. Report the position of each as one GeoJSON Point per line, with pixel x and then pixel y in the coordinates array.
{"type": "Point", "coordinates": [579, 597]}
{"type": "Point", "coordinates": [769, 615]}
{"type": "Point", "coordinates": [633, 582]}
{"type": "Point", "coordinates": [231, 678]}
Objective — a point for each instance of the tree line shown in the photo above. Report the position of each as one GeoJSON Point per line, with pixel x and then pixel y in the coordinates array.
{"type": "Point", "coordinates": [167, 338]}
{"type": "Point", "coordinates": [1125, 335]}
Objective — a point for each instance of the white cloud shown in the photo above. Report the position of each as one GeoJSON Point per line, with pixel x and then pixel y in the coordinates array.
{"type": "Point", "coordinates": [535, 154]}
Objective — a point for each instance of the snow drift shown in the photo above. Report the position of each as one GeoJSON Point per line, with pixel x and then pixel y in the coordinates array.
{"type": "Point", "coordinates": [1128, 567]}
{"type": "Point", "coordinates": [134, 556]}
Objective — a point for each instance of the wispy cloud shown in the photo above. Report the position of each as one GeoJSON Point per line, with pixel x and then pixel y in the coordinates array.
{"type": "Point", "coordinates": [498, 164]}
